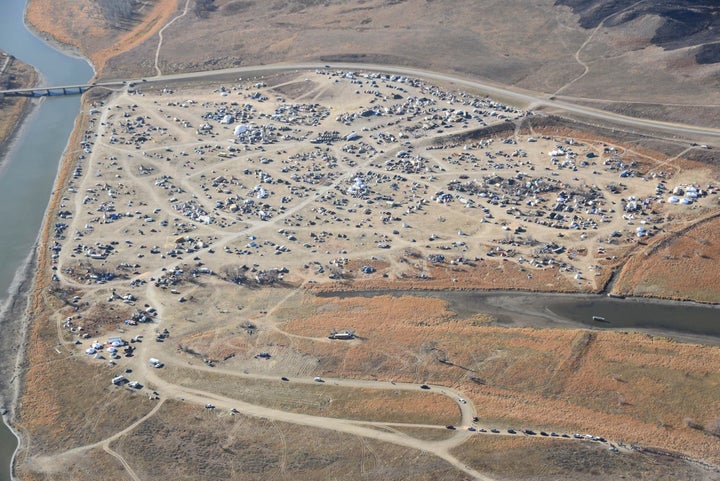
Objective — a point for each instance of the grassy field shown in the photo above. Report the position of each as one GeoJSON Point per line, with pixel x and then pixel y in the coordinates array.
{"type": "Point", "coordinates": [680, 266]}
{"type": "Point", "coordinates": [547, 459]}
{"type": "Point", "coordinates": [629, 387]}
{"type": "Point", "coordinates": [208, 446]}
{"type": "Point", "coordinates": [325, 399]}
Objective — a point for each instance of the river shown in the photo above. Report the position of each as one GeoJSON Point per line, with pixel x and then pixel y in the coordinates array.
{"type": "Point", "coordinates": [28, 171]}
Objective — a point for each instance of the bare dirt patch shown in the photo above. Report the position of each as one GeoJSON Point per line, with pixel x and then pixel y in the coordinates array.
{"type": "Point", "coordinates": [231, 205]}
{"type": "Point", "coordinates": [562, 380]}
{"type": "Point", "coordinates": [83, 466]}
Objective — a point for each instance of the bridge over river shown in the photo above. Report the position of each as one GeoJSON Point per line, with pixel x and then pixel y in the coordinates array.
{"type": "Point", "coordinates": [56, 91]}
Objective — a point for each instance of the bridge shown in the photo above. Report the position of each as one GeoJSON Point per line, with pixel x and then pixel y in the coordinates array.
{"type": "Point", "coordinates": [56, 91]}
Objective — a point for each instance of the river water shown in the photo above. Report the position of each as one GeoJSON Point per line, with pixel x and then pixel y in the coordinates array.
{"type": "Point", "coordinates": [28, 171]}
{"type": "Point", "coordinates": [692, 322]}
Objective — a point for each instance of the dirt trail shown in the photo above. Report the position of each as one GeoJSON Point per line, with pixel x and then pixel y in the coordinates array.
{"type": "Point", "coordinates": [582, 63]}
{"type": "Point", "coordinates": [160, 35]}
{"type": "Point", "coordinates": [48, 463]}
{"type": "Point", "coordinates": [131, 473]}
{"type": "Point", "coordinates": [438, 448]}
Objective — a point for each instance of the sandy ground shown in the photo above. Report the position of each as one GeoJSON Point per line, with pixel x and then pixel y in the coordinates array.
{"type": "Point", "coordinates": [536, 209]}
{"type": "Point", "coordinates": [219, 229]}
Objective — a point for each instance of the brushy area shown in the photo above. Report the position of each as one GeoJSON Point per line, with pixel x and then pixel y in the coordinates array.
{"type": "Point", "coordinates": [13, 109]}
{"type": "Point", "coordinates": [627, 387]}
{"type": "Point", "coordinates": [207, 446]}
{"type": "Point", "coordinates": [677, 267]}
{"type": "Point", "coordinates": [97, 33]}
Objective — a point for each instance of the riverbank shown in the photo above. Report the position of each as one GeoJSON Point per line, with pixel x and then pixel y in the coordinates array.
{"type": "Point", "coordinates": [29, 304]}
{"type": "Point", "coordinates": [14, 110]}
{"type": "Point", "coordinates": [78, 27]}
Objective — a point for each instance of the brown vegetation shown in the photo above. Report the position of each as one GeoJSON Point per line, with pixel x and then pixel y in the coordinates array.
{"type": "Point", "coordinates": [209, 446]}
{"type": "Point", "coordinates": [472, 38]}
{"type": "Point", "coordinates": [677, 266]}
{"type": "Point", "coordinates": [98, 31]}
{"type": "Point", "coordinates": [16, 74]}
{"type": "Point", "coordinates": [549, 459]}
{"type": "Point", "coordinates": [324, 399]}
{"type": "Point", "coordinates": [623, 386]}
{"type": "Point", "coordinates": [628, 387]}
{"type": "Point", "coordinates": [59, 412]}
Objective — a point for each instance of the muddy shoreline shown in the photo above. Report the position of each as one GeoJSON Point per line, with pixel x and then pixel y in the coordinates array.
{"type": "Point", "coordinates": [66, 48]}
{"type": "Point", "coordinates": [19, 120]}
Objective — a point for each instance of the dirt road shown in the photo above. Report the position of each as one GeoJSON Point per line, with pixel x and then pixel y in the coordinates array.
{"type": "Point", "coordinates": [515, 95]}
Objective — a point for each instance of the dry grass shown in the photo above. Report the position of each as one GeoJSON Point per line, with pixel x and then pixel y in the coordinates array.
{"type": "Point", "coordinates": [477, 39]}
{"type": "Point", "coordinates": [83, 467]}
{"type": "Point", "coordinates": [13, 109]}
{"type": "Point", "coordinates": [484, 274]}
{"type": "Point", "coordinates": [59, 412]}
{"type": "Point", "coordinates": [79, 408]}
{"type": "Point", "coordinates": [326, 400]}
{"type": "Point", "coordinates": [628, 387]}
{"type": "Point", "coordinates": [547, 459]}
{"type": "Point", "coordinates": [622, 386]}
{"type": "Point", "coordinates": [677, 266]}
{"type": "Point", "coordinates": [80, 25]}
{"type": "Point", "coordinates": [187, 442]}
